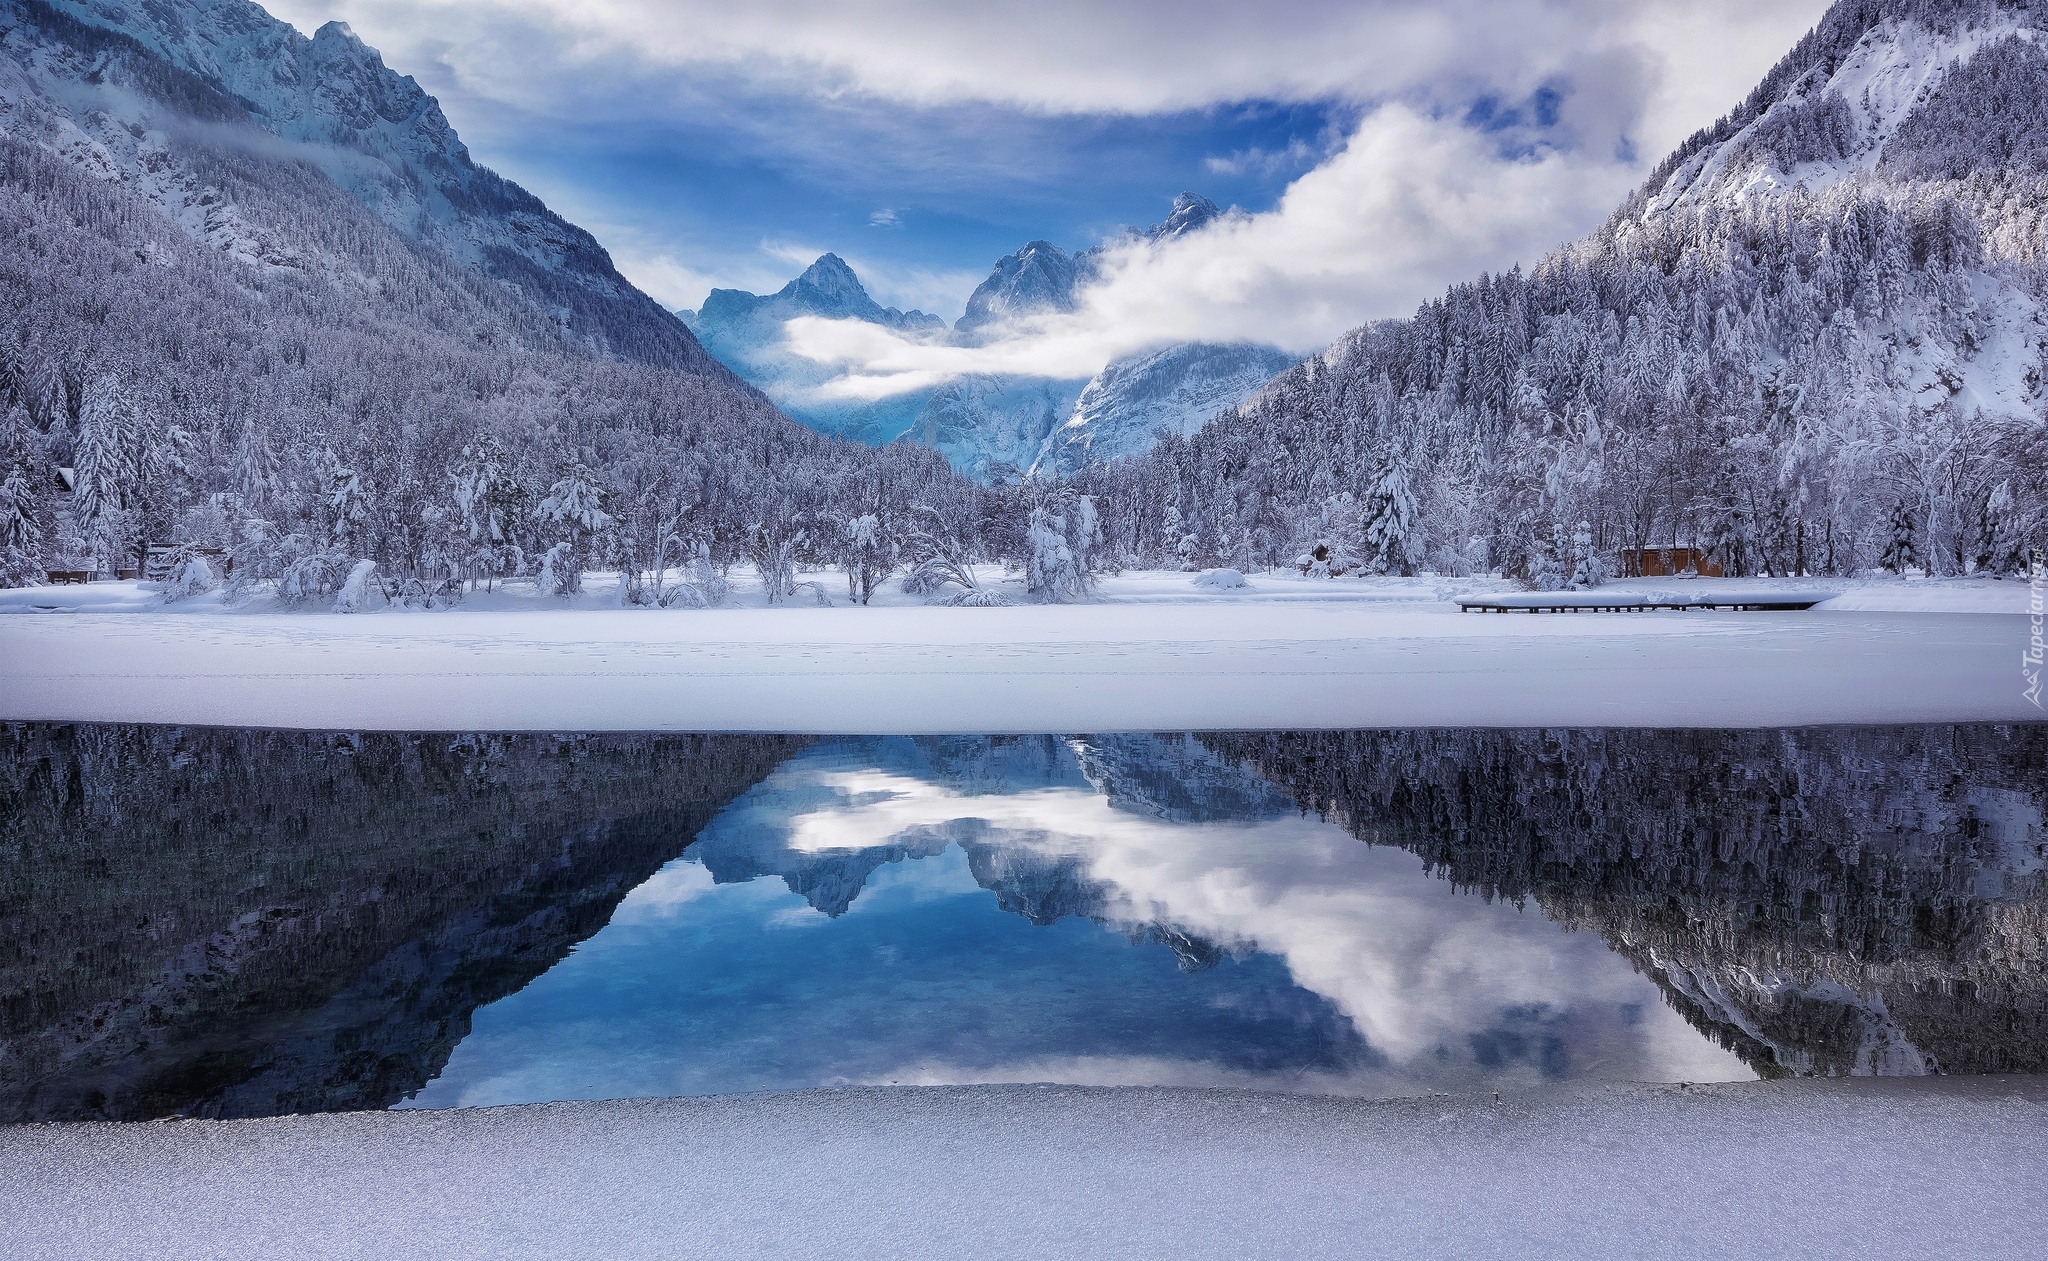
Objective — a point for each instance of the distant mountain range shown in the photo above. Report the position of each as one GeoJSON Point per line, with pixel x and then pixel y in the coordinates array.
{"type": "Point", "coordinates": [992, 426]}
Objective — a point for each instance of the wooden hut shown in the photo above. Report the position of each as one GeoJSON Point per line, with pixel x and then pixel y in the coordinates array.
{"type": "Point", "coordinates": [1668, 561]}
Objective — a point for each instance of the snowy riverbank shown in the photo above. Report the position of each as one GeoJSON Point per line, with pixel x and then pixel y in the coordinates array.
{"type": "Point", "coordinates": [1154, 653]}
{"type": "Point", "coordinates": [1870, 594]}
{"type": "Point", "coordinates": [1890, 1167]}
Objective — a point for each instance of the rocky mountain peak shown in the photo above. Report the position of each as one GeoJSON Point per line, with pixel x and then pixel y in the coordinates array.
{"type": "Point", "coordinates": [829, 287]}
{"type": "Point", "coordinates": [1039, 277]}
{"type": "Point", "coordinates": [1191, 211]}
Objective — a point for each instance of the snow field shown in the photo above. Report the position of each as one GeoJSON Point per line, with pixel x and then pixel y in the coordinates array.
{"type": "Point", "coordinates": [1134, 666]}
{"type": "Point", "coordinates": [1948, 1167]}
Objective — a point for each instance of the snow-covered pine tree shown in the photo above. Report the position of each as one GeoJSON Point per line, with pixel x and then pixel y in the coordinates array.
{"type": "Point", "coordinates": [1170, 532]}
{"type": "Point", "coordinates": [489, 499]}
{"type": "Point", "coordinates": [104, 462]}
{"type": "Point", "coordinates": [1586, 568]}
{"type": "Point", "coordinates": [22, 502]}
{"type": "Point", "coordinates": [1550, 567]}
{"type": "Point", "coordinates": [21, 536]}
{"type": "Point", "coordinates": [1999, 547]}
{"type": "Point", "coordinates": [1390, 537]}
{"type": "Point", "coordinates": [256, 478]}
{"type": "Point", "coordinates": [1902, 551]}
{"type": "Point", "coordinates": [573, 514]}
{"type": "Point", "coordinates": [348, 507]}
{"type": "Point", "coordinates": [1062, 530]}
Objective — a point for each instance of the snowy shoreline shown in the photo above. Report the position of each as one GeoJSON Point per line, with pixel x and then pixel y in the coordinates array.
{"type": "Point", "coordinates": [1886, 1167]}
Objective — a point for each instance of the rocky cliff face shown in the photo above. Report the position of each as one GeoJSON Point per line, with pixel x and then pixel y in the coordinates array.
{"type": "Point", "coordinates": [1177, 390]}
{"type": "Point", "coordinates": [1040, 277]}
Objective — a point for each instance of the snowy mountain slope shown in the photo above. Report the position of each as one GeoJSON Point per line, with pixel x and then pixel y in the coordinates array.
{"type": "Point", "coordinates": [1177, 389]}
{"type": "Point", "coordinates": [744, 331]}
{"type": "Point", "coordinates": [994, 427]}
{"type": "Point", "coordinates": [1814, 341]}
{"type": "Point", "coordinates": [386, 142]}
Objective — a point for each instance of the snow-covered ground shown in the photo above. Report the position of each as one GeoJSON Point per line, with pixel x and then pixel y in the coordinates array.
{"type": "Point", "coordinates": [1154, 652]}
{"type": "Point", "coordinates": [1910, 1168]}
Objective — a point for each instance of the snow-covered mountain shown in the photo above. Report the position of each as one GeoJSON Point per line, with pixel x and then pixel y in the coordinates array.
{"type": "Point", "coordinates": [1177, 389]}
{"type": "Point", "coordinates": [1814, 341]}
{"type": "Point", "coordinates": [1040, 277]}
{"type": "Point", "coordinates": [993, 426]}
{"type": "Point", "coordinates": [744, 330]}
{"type": "Point", "coordinates": [380, 137]}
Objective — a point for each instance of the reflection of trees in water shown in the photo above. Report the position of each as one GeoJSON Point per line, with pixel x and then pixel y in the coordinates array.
{"type": "Point", "coordinates": [240, 923]}
{"type": "Point", "coordinates": [1825, 900]}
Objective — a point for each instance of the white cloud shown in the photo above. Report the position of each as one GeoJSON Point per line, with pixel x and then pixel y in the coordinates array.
{"type": "Point", "coordinates": [884, 218]}
{"type": "Point", "coordinates": [1088, 56]}
{"type": "Point", "coordinates": [1412, 962]}
{"type": "Point", "coordinates": [1294, 155]}
{"type": "Point", "coordinates": [1410, 202]}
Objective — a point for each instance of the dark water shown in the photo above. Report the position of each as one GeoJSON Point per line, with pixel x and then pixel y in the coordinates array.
{"type": "Point", "coordinates": [247, 923]}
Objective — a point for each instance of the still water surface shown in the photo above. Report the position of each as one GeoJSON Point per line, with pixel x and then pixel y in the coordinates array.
{"type": "Point", "coordinates": [248, 923]}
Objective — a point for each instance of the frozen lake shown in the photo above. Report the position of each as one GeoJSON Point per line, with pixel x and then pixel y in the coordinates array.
{"type": "Point", "coordinates": [224, 922]}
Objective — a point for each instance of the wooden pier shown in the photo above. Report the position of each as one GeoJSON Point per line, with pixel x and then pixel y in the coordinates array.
{"type": "Point", "coordinates": [1643, 602]}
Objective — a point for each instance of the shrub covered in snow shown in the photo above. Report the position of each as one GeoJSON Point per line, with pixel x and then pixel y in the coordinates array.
{"type": "Point", "coordinates": [359, 589]}
{"type": "Point", "coordinates": [1221, 580]}
{"type": "Point", "coordinates": [189, 574]}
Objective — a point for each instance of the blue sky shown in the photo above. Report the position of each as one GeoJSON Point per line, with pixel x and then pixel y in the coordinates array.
{"type": "Point", "coordinates": [927, 198]}
{"type": "Point", "coordinates": [1383, 148]}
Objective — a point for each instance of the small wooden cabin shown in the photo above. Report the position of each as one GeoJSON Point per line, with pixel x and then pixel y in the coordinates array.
{"type": "Point", "coordinates": [1668, 561]}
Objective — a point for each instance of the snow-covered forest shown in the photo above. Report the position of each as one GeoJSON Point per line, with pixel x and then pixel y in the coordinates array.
{"type": "Point", "coordinates": [1815, 341]}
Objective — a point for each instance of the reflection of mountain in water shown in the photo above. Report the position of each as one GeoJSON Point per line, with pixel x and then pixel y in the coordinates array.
{"type": "Point", "coordinates": [244, 923]}
{"type": "Point", "coordinates": [237, 923]}
{"type": "Point", "coordinates": [1167, 777]}
{"type": "Point", "coordinates": [1822, 901]}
